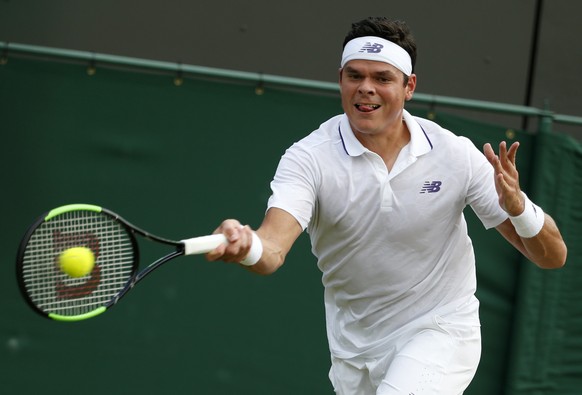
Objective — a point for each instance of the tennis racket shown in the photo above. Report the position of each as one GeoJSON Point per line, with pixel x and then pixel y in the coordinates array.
{"type": "Point", "coordinates": [112, 240]}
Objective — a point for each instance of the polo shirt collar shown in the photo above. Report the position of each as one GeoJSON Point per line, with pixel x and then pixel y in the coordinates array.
{"type": "Point", "coordinates": [420, 144]}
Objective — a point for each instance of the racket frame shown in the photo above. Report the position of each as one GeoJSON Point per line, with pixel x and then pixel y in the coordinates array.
{"type": "Point", "coordinates": [194, 246]}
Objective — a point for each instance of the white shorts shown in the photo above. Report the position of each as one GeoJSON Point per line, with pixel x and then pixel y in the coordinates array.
{"type": "Point", "coordinates": [439, 357]}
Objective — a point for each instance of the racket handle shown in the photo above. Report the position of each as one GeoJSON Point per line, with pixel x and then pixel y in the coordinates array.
{"type": "Point", "coordinates": [203, 244]}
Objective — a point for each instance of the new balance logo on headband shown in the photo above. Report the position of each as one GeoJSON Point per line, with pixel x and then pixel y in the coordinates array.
{"type": "Point", "coordinates": [372, 48]}
{"type": "Point", "coordinates": [378, 49]}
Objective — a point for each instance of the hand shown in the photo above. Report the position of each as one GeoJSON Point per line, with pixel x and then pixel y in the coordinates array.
{"type": "Point", "coordinates": [506, 177]}
{"type": "Point", "coordinates": [239, 242]}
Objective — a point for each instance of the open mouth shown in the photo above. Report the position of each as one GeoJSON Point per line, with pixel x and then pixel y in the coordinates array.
{"type": "Point", "coordinates": [367, 107]}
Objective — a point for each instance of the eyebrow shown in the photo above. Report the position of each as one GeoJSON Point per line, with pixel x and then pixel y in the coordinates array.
{"type": "Point", "coordinates": [382, 73]}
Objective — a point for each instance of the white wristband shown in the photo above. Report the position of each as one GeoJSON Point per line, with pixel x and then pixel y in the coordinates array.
{"type": "Point", "coordinates": [530, 222]}
{"type": "Point", "coordinates": [255, 253]}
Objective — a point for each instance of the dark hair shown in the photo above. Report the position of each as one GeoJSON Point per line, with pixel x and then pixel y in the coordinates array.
{"type": "Point", "coordinates": [391, 30]}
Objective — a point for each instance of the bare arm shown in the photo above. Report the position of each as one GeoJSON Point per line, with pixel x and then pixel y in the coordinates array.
{"type": "Point", "coordinates": [278, 232]}
{"type": "Point", "coordinates": [547, 248]}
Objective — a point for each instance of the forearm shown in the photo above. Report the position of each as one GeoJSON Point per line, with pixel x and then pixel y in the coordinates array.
{"type": "Point", "coordinates": [539, 235]}
{"type": "Point", "coordinates": [546, 249]}
{"type": "Point", "coordinates": [272, 257]}
{"type": "Point", "coordinates": [262, 251]}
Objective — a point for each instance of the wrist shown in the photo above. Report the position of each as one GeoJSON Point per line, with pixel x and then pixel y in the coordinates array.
{"type": "Point", "coordinates": [530, 222]}
{"type": "Point", "coordinates": [255, 252]}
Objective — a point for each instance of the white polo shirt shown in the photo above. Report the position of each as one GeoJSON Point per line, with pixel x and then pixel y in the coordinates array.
{"type": "Point", "coordinates": [392, 246]}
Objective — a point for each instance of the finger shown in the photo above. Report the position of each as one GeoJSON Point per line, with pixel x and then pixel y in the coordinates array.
{"type": "Point", "coordinates": [503, 153]}
{"type": "Point", "coordinates": [217, 253]}
{"type": "Point", "coordinates": [502, 183]}
{"type": "Point", "coordinates": [496, 163]}
{"type": "Point", "coordinates": [491, 157]}
{"type": "Point", "coordinates": [512, 154]}
{"type": "Point", "coordinates": [231, 228]}
{"type": "Point", "coordinates": [488, 151]}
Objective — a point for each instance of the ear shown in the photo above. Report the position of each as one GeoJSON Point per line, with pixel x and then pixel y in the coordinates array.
{"type": "Point", "coordinates": [410, 87]}
{"type": "Point", "coordinates": [340, 79]}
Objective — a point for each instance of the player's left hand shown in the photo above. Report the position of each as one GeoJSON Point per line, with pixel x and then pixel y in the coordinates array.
{"type": "Point", "coordinates": [506, 177]}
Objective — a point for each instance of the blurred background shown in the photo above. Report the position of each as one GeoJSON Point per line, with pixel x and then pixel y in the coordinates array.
{"type": "Point", "coordinates": [521, 52]}
{"type": "Point", "coordinates": [174, 114]}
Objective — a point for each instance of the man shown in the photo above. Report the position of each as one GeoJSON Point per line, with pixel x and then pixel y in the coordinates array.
{"type": "Point", "coordinates": [381, 194]}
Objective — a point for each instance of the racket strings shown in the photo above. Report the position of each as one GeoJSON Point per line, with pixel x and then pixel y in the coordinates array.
{"type": "Point", "coordinates": [53, 291]}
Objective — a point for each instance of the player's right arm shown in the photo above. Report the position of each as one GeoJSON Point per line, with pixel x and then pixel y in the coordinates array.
{"type": "Point", "coordinates": [278, 232]}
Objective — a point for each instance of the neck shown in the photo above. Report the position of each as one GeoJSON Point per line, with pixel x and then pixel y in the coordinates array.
{"type": "Point", "coordinates": [387, 145]}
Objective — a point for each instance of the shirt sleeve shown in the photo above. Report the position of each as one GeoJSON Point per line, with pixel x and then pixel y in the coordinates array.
{"type": "Point", "coordinates": [294, 185]}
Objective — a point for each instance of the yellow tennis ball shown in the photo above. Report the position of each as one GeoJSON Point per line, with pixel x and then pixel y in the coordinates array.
{"type": "Point", "coordinates": [77, 261]}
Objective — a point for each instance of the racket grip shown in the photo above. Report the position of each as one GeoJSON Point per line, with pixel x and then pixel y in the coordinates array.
{"type": "Point", "coordinates": [203, 244]}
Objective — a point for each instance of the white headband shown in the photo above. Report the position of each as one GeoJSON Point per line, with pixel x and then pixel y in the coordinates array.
{"type": "Point", "coordinates": [378, 49]}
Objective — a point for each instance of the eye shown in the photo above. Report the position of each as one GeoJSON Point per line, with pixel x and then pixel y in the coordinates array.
{"type": "Point", "coordinates": [384, 79]}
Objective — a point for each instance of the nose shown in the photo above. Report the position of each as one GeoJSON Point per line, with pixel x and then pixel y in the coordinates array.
{"type": "Point", "coordinates": [366, 87]}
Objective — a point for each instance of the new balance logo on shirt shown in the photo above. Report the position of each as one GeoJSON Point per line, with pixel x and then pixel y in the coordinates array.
{"type": "Point", "coordinates": [431, 186]}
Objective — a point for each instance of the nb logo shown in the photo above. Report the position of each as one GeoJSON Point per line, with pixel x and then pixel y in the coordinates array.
{"type": "Point", "coordinates": [431, 187]}
{"type": "Point", "coordinates": [372, 48]}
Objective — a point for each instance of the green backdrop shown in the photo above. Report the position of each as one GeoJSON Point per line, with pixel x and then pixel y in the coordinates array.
{"type": "Point", "coordinates": [176, 160]}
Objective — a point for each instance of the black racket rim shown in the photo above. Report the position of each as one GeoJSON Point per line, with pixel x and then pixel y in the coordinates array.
{"type": "Point", "coordinates": [47, 216]}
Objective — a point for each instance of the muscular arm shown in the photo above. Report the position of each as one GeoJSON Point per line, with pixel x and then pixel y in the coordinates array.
{"type": "Point", "coordinates": [546, 249]}
{"type": "Point", "coordinates": [278, 232]}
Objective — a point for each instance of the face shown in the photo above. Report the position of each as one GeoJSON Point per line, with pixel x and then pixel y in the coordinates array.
{"type": "Point", "coordinates": [373, 96]}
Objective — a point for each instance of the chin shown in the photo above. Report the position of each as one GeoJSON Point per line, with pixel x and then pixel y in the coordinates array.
{"type": "Point", "coordinates": [365, 127]}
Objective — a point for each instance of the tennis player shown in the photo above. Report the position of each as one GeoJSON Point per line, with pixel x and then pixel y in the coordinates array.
{"type": "Point", "coordinates": [381, 194]}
